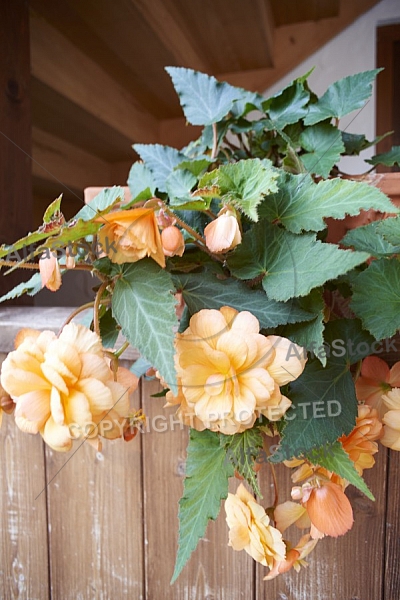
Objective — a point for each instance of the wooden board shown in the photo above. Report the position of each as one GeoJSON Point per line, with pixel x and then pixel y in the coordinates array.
{"type": "Point", "coordinates": [23, 520]}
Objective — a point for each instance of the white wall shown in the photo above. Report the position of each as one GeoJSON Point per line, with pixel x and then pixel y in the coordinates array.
{"type": "Point", "coordinates": [352, 51]}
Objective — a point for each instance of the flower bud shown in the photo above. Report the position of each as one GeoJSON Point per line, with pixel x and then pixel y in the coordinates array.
{"type": "Point", "coordinates": [223, 234]}
{"type": "Point", "coordinates": [172, 241]}
{"type": "Point", "coordinates": [50, 272]}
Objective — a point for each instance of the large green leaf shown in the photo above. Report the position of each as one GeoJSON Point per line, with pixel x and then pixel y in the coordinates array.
{"type": "Point", "coordinates": [342, 97]}
{"type": "Point", "coordinates": [300, 204]}
{"type": "Point", "coordinates": [309, 334]}
{"type": "Point", "coordinates": [324, 146]}
{"type": "Point", "coordinates": [27, 242]}
{"type": "Point", "coordinates": [101, 204]}
{"type": "Point", "coordinates": [289, 106]}
{"type": "Point", "coordinates": [161, 160]}
{"type": "Point", "coordinates": [324, 407]}
{"type": "Point", "coordinates": [390, 230]}
{"type": "Point", "coordinates": [30, 287]}
{"type": "Point", "coordinates": [144, 306]}
{"type": "Point", "coordinates": [204, 99]}
{"type": "Point", "coordinates": [346, 339]}
{"type": "Point", "coordinates": [205, 485]}
{"type": "Point", "coordinates": [179, 185]}
{"type": "Point", "coordinates": [141, 183]}
{"type": "Point", "coordinates": [376, 298]}
{"type": "Point", "coordinates": [290, 265]}
{"type": "Point", "coordinates": [243, 449]}
{"type": "Point", "coordinates": [243, 184]}
{"type": "Point", "coordinates": [370, 238]}
{"type": "Point", "coordinates": [334, 458]}
{"type": "Point", "coordinates": [389, 159]}
{"type": "Point", "coordinates": [204, 290]}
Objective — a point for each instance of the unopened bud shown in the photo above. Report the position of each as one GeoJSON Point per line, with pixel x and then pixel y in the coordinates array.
{"type": "Point", "coordinates": [172, 241]}
{"type": "Point", "coordinates": [223, 233]}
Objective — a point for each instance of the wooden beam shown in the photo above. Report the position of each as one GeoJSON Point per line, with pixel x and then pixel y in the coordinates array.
{"type": "Point", "coordinates": [15, 136]}
{"type": "Point", "coordinates": [294, 43]}
{"type": "Point", "coordinates": [268, 27]}
{"type": "Point", "coordinates": [177, 132]}
{"type": "Point", "coordinates": [166, 21]}
{"type": "Point", "coordinates": [56, 62]}
{"type": "Point", "coordinates": [57, 160]}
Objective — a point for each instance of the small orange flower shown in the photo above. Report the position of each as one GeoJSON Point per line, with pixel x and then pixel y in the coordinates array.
{"type": "Point", "coordinates": [130, 235]}
{"type": "Point", "coordinates": [375, 380]}
{"type": "Point", "coordinates": [172, 241]}
{"type": "Point", "coordinates": [360, 444]}
{"type": "Point", "coordinates": [294, 557]}
{"type": "Point", "coordinates": [50, 272]}
{"type": "Point", "coordinates": [223, 233]}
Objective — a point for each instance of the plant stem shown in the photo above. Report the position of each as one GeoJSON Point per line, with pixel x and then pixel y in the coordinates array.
{"type": "Point", "coordinates": [214, 151]}
{"type": "Point", "coordinates": [74, 313]}
{"type": "Point", "coordinates": [124, 346]}
{"type": "Point", "coordinates": [35, 266]}
{"type": "Point", "coordinates": [96, 307]}
{"type": "Point", "coordinates": [275, 482]}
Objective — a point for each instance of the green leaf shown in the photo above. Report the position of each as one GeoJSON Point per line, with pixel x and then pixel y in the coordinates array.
{"type": "Point", "coordinates": [300, 204]}
{"type": "Point", "coordinates": [342, 97]}
{"type": "Point", "coordinates": [70, 233]}
{"type": "Point", "coordinates": [389, 159]}
{"type": "Point", "coordinates": [204, 99]}
{"type": "Point", "coordinates": [369, 238]}
{"type": "Point", "coordinates": [355, 143]}
{"type": "Point", "coordinates": [204, 290]}
{"type": "Point", "coordinates": [101, 204]}
{"type": "Point", "coordinates": [140, 367]}
{"type": "Point", "coordinates": [289, 106]}
{"type": "Point", "coordinates": [376, 298]}
{"type": "Point", "coordinates": [196, 167]}
{"type": "Point", "coordinates": [53, 210]}
{"type": "Point", "coordinates": [243, 184]}
{"type": "Point", "coordinates": [205, 485]}
{"type": "Point", "coordinates": [390, 229]}
{"type": "Point", "coordinates": [290, 265]}
{"type": "Point", "coordinates": [27, 242]}
{"type": "Point", "coordinates": [109, 329]}
{"type": "Point", "coordinates": [179, 185]}
{"type": "Point", "coordinates": [324, 145]}
{"type": "Point", "coordinates": [30, 287]}
{"type": "Point", "coordinates": [161, 160]}
{"type": "Point", "coordinates": [346, 339]}
{"type": "Point", "coordinates": [309, 335]}
{"type": "Point", "coordinates": [141, 183]}
{"type": "Point", "coordinates": [334, 458]}
{"type": "Point", "coordinates": [144, 306]}
{"type": "Point", "coordinates": [324, 407]}
{"type": "Point", "coordinates": [242, 449]}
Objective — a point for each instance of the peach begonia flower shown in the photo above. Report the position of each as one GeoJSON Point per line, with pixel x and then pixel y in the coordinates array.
{"type": "Point", "coordinates": [250, 529]}
{"type": "Point", "coordinates": [327, 506]}
{"type": "Point", "coordinates": [294, 557]}
{"type": "Point", "coordinates": [130, 235]}
{"type": "Point", "coordinates": [375, 380]}
{"type": "Point", "coordinates": [172, 241]}
{"type": "Point", "coordinates": [360, 444]}
{"type": "Point", "coordinates": [391, 419]}
{"type": "Point", "coordinates": [228, 373]}
{"type": "Point", "coordinates": [223, 233]}
{"type": "Point", "coordinates": [64, 388]}
{"type": "Point", "coordinates": [50, 272]}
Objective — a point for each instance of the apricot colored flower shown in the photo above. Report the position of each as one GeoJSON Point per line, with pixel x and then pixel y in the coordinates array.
{"type": "Point", "coordinates": [64, 388]}
{"type": "Point", "coordinates": [375, 380]}
{"type": "Point", "coordinates": [172, 241]}
{"type": "Point", "coordinates": [360, 444]}
{"type": "Point", "coordinates": [223, 366]}
{"type": "Point", "coordinates": [327, 506]}
{"type": "Point", "coordinates": [250, 529]}
{"type": "Point", "coordinates": [294, 557]}
{"type": "Point", "coordinates": [223, 233]}
{"type": "Point", "coordinates": [391, 419]}
{"type": "Point", "coordinates": [50, 272]}
{"type": "Point", "coordinates": [130, 235]}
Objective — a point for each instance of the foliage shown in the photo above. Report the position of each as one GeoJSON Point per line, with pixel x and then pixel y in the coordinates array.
{"type": "Point", "coordinates": [246, 208]}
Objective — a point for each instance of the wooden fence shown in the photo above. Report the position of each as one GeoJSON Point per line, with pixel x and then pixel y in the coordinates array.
{"type": "Point", "coordinates": [83, 526]}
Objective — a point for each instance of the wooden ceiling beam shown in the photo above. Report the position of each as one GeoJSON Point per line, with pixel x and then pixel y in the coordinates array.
{"type": "Point", "coordinates": [294, 43]}
{"type": "Point", "coordinates": [57, 63]}
{"type": "Point", "coordinates": [55, 160]}
{"type": "Point", "coordinates": [165, 20]}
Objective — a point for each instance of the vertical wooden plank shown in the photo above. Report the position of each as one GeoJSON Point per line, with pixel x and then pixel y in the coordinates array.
{"type": "Point", "coordinates": [215, 571]}
{"type": "Point", "coordinates": [345, 568]}
{"type": "Point", "coordinates": [392, 551]}
{"type": "Point", "coordinates": [15, 133]}
{"type": "Point", "coordinates": [95, 517]}
{"type": "Point", "coordinates": [23, 547]}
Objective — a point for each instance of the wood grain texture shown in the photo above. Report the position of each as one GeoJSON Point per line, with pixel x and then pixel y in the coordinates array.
{"type": "Point", "coordinates": [345, 568]}
{"type": "Point", "coordinates": [95, 512]}
{"type": "Point", "coordinates": [23, 521]}
{"type": "Point", "coordinates": [15, 138]}
{"type": "Point", "coordinates": [392, 548]}
{"type": "Point", "coordinates": [214, 572]}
